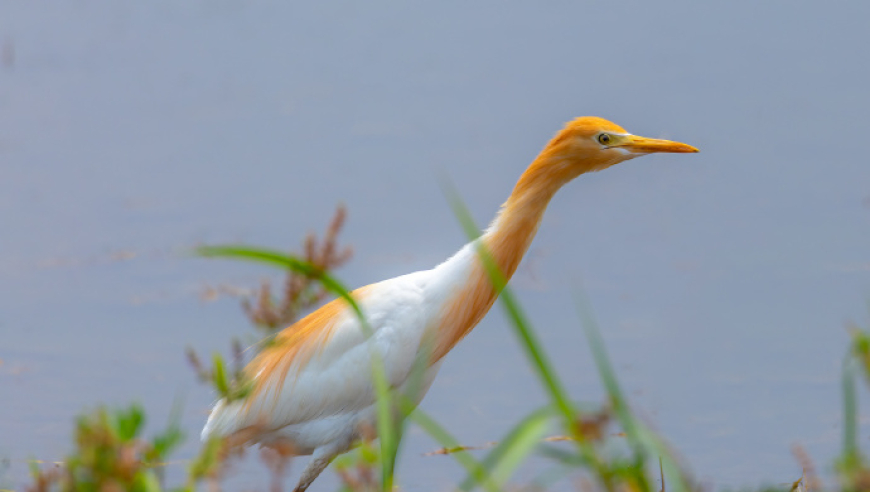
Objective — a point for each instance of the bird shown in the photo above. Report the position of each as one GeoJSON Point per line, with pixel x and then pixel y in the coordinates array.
{"type": "Point", "coordinates": [313, 392]}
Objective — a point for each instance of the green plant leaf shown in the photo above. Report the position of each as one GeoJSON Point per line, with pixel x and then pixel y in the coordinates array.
{"type": "Point", "coordinates": [146, 482]}
{"type": "Point", "coordinates": [641, 439]}
{"type": "Point", "coordinates": [387, 431]}
{"type": "Point", "coordinates": [564, 457]}
{"type": "Point", "coordinates": [206, 462]}
{"type": "Point", "coordinates": [850, 461]}
{"type": "Point", "coordinates": [522, 328]}
{"type": "Point", "coordinates": [474, 468]}
{"type": "Point", "coordinates": [503, 460]}
{"type": "Point", "coordinates": [129, 422]}
{"type": "Point", "coordinates": [165, 442]}
{"type": "Point", "coordinates": [283, 261]}
{"type": "Point", "coordinates": [220, 376]}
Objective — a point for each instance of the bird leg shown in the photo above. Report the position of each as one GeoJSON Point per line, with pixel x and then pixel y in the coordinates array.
{"type": "Point", "coordinates": [319, 461]}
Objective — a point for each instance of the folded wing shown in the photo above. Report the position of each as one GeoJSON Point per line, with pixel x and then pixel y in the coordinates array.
{"type": "Point", "coordinates": [321, 365]}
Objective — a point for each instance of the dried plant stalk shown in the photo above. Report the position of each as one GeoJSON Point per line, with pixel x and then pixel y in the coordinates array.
{"type": "Point", "coordinates": [301, 292]}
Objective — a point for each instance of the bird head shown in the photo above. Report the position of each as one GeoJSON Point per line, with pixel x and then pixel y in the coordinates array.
{"type": "Point", "coordinates": [590, 143]}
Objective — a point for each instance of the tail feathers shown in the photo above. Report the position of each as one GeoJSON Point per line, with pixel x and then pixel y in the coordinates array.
{"type": "Point", "coordinates": [224, 420]}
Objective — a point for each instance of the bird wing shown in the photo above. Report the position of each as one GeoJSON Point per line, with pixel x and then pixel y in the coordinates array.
{"type": "Point", "coordinates": [321, 365]}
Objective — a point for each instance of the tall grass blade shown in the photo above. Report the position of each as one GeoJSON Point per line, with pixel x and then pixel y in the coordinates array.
{"type": "Point", "coordinates": [281, 260]}
{"type": "Point", "coordinates": [851, 452]}
{"type": "Point", "coordinates": [472, 466]}
{"type": "Point", "coordinates": [605, 370]}
{"type": "Point", "coordinates": [502, 461]}
{"type": "Point", "coordinates": [387, 429]}
{"type": "Point", "coordinates": [643, 441]}
{"type": "Point", "coordinates": [517, 447]}
{"type": "Point", "coordinates": [528, 340]}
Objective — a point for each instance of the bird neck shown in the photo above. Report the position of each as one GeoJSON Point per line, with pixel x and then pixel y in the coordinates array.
{"type": "Point", "coordinates": [511, 232]}
{"type": "Point", "coordinates": [506, 241]}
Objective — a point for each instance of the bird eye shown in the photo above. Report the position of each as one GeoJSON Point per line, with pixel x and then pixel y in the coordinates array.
{"type": "Point", "coordinates": [604, 139]}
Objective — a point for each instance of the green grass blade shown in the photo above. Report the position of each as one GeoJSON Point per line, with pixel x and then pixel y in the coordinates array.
{"type": "Point", "coordinates": [850, 413]}
{"type": "Point", "coordinates": [547, 479]}
{"type": "Point", "coordinates": [503, 460]}
{"type": "Point", "coordinates": [284, 261]}
{"type": "Point", "coordinates": [566, 458]}
{"type": "Point", "coordinates": [643, 441]}
{"type": "Point", "coordinates": [528, 340]}
{"type": "Point", "coordinates": [220, 376]}
{"type": "Point", "coordinates": [164, 443]}
{"type": "Point", "coordinates": [605, 369]}
{"type": "Point", "coordinates": [518, 445]}
{"type": "Point", "coordinates": [472, 466]}
{"type": "Point", "coordinates": [127, 423]}
{"type": "Point", "coordinates": [519, 321]}
{"type": "Point", "coordinates": [412, 388]}
{"type": "Point", "coordinates": [386, 427]}
{"type": "Point", "coordinates": [653, 445]}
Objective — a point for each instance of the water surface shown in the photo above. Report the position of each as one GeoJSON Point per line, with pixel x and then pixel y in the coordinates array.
{"type": "Point", "coordinates": [722, 281]}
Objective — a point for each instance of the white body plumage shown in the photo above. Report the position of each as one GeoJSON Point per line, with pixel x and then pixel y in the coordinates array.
{"type": "Point", "coordinates": [326, 400]}
{"type": "Point", "coordinates": [313, 388]}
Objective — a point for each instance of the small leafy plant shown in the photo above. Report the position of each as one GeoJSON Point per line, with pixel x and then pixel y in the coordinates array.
{"type": "Point", "coordinates": [111, 454]}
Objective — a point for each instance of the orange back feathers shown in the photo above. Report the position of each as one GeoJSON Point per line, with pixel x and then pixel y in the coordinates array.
{"type": "Point", "coordinates": [296, 344]}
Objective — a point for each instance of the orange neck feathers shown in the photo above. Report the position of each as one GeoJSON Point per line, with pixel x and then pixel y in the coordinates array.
{"type": "Point", "coordinates": [508, 238]}
{"type": "Point", "coordinates": [586, 144]}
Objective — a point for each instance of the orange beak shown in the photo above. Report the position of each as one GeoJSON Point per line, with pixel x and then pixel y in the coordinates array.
{"type": "Point", "coordinates": [643, 145]}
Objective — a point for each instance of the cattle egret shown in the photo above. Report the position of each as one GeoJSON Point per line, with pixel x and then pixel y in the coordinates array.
{"type": "Point", "coordinates": [313, 391]}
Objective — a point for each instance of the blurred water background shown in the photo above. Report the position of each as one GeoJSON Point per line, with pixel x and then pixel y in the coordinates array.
{"type": "Point", "coordinates": [132, 131]}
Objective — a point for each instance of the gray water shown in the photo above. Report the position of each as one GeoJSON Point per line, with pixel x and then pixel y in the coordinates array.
{"type": "Point", "coordinates": [130, 132]}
